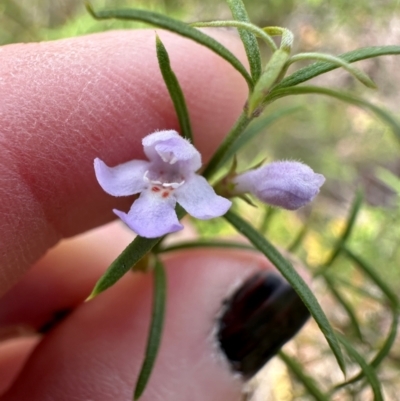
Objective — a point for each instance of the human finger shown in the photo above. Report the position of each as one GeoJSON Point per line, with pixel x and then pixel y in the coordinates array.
{"type": "Point", "coordinates": [66, 102]}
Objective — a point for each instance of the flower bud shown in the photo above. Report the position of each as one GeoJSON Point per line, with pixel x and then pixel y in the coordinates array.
{"type": "Point", "coordinates": [286, 184]}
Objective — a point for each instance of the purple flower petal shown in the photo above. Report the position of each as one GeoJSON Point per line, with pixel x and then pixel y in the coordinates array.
{"type": "Point", "coordinates": [123, 180]}
{"type": "Point", "coordinates": [151, 215]}
{"type": "Point", "coordinates": [285, 184]}
{"type": "Point", "coordinates": [171, 148]}
{"type": "Point", "coordinates": [198, 198]}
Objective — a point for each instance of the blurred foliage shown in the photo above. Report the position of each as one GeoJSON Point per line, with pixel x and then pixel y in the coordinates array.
{"type": "Point", "coordinates": [348, 145]}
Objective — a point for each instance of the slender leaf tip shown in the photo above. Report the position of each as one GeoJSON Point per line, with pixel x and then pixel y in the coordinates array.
{"type": "Point", "coordinates": [92, 295]}
{"type": "Point", "coordinates": [90, 9]}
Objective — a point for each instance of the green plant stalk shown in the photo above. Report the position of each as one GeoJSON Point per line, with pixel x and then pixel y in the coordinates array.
{"type": "Point", "coordinates": [254, 129]}
{"type": "Point", "coordinates": [269, 77]}
{"type": "Point", "coordinates": [241, 123]}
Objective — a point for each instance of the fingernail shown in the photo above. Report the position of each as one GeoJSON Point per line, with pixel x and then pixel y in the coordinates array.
{"type": "Point", "coordinates": [258, 319]}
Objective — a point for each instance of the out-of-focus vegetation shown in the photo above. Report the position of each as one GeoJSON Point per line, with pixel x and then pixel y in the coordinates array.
{"type": "Point", "coordinates": [350, 147]}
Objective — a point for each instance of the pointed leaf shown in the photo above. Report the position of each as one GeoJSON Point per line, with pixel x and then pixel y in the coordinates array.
{"type": "Point", "coordinates": [394, 301]}
{"type": "Point", "coordinates": [368, 370]}
{"type": "Point", "coordinates": [248, 38]}
{"type": "Point", "coordinates": [346, 97]}
{"type": "Point", "coordinates": [391, 180]}
{"type": "Point", "coordinates": [358, 74]}
{"type": "Point", "coordinates": [373, 275]}
{"type": "Point", "coordinates": [269, 214]}
{"type": "Point", "coordinates": [307, 381]}
{"type": "Point", "coordinates": [346, 306]}
{"type": "Point", "coordinates": [131, 255]}
{"type": "Point", "coordinates": [174, 90]}
{"type": "Point", "coordinates": [381, 354]}
{"type": "Point", "coordinates": [351, 220]}
{"type": "Point", "coordinates": [298, 240]}
{"type": "Point", "coordinates": [318, 68]}
{"type": "Point", "coordinates": [156, 328]}
{"type": "Point", "coordinates": [293, 278]}
{"type": "Point", "coordinates": [247, 26]}
{"type": "Point", "coordinates": [179, 27]}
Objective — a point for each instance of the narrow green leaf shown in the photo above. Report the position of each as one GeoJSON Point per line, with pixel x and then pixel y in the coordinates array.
{"type": "Point", "coordinates": [174, 90]}
{"type": "Point", "coordinates": [258, 32]}
{"type": "Point", "coordinates": [308, 382]}
{"type": "Point", "coordinates": [293, 278]}
{"type": "Point", "coordinates": [132, 254]}
{"type": "Point", "coordinates": [368, 370]}
{"type": "Point", "coordinates": [358, 74]}
{"type": "Point", "coordinates": [156, 328]}
{"type": "Point", "coordinates": [179, 27]}
{"type": "Point", "coordinates": [129, 257]}
{"type": "Point", "coordinates": [373, 275]}
{"type": "Point", "coordinates": [257, 127]}
{"type": "Point", "coordinates": [346, 97]}
{"type": "Point", "coordinates": [318, 68]}
{"type": "Point", "coordinates": [346, 306]}
{"type": "Point", "coordinates": [389, 179]}
{"type": "Point", "coordinates": [381, 354]}
{"type": "Point", "coordinates": [298, 240]}
{"type": "Point", "coordinates": [394, 301]}
{"type": "Point", "coordinates": [287, 36]}
{"type": "Point", "coordinates": [351, 220]}
{"type": "Point", "coordinates": [249, 40]}
{"type": "Point", "coordinates": [272, 73]}
{"type": "Point", "coordinates": [269, 214]}
{"type": "Point", "coordinates": [207, 244]}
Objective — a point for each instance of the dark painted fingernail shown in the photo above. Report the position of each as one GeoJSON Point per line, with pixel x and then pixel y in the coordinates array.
{"type": "Point", "coordinates": [258, 319]}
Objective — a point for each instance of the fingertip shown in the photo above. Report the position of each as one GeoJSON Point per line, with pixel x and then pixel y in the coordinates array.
{"type": "Point", "coordinates": [66, 102]}
{"type": "Point", "coordinates": [106, 337]}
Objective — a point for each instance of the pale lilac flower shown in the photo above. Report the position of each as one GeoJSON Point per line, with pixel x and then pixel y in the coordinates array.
{"type": "Point", "coordinates": [286, 184]}
{"type": "Point", "coordinates": [168, 177]}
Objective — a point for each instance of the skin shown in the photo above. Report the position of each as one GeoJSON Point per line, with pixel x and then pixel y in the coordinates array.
{"type": "Point", "coordinates": [63, 104]}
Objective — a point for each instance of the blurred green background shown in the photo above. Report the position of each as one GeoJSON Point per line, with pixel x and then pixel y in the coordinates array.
{"type": "Point", "coordinates": [348, 145]}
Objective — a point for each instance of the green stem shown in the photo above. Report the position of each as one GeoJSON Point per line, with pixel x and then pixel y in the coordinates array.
{"type": "Point", "coordinates": [218, 157]}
